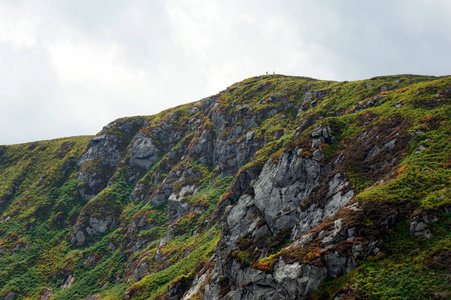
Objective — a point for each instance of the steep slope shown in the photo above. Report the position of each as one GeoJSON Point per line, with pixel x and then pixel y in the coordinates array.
{"type": "Point", "coordinates": [277, 188]}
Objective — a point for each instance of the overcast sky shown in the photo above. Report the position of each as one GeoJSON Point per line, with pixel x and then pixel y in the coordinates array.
{"type": "Point", "coordinates": [70, 67]}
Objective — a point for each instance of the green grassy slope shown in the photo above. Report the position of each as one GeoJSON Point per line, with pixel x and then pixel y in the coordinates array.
{"type": "Point", "coordinates": [40, 202]}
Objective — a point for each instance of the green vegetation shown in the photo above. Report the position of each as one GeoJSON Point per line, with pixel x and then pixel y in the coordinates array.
{"type": "Point", "coordinates": [43, 205]}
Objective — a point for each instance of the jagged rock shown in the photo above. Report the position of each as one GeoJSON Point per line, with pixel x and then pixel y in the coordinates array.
{"type": "Point", "coordinates": [177, 208]}
{"type": "Point", "coordinates": [45, 294]}
{"type": "Point", "coordinates": [102, 155]}
{"type": "Point", "coordinates": [250, 123]}
{"type": "Point", "coordinates": [67, 282]}
{"type": "Point", "coordinates": [239, 220]}
{"type": "Point", "coordinates": [137, 194]}
{"type": "Point", "coordinates": [193, 110]}
{"type": "Point", "coordinates": [338, 265]}
{"type": "Point", "coordinates": [103, 146]}
{"type": "Point", "coordinates": [418, 226]}
{"type": "Point", "coordinates": [141, 223]}
{"type": "Point", "coordinates": [140, 272]}
{"type": "Point", "coordinates": [289, 218]}
{"type": "Point", "coordinates": [308, 96]}
{"type": "Point", "coordinates": [337, 201]}
{"type": "Point", "coordinates": [78, 238]}
{"type": "Point", "coordinates": [375, 150]}
{"type": "Point", "coordinates": [99, 225]}
{"type": "Point", "coordinates": [143, 153]}
{"type": "Point", "coordinates": [94, 226]}
{"type": "Point", "coordinates": [376, 101]}
{"type": "Point", "coordinates": [11, 296]}
{"type": "Point", "coordinates": [320, 135]}
{"type": "Point", "coordinates": [338, 197]}
{"type": "Point", "coordinates": [195, 286]}
{"type": "Point", "coordinates": [140, 244]}
{"type": "Point", "coordinates": [91, 260]}
{"type": "Point", "coordinates": [282, 187]}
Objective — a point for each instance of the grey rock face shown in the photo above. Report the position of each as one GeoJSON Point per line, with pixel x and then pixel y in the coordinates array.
{"type": "Point", "coordinates": [141, 223]}
{"type": "Point", "coordinates": [338, 265]}
{"type": "Point", "coordinates": [67, 282]}
{"type": "Point", "coordinates": [196, 285]}
{"type": "Point", "coordinates": [99, 225]}
{"type": "Point", "coordinates": [143, 152]}
{"type": "Point", "coordinates": [193, 110]}
{"type": "Point", "coordinates": [103, 154]}
{"type": "Point", "coordinates": [376, 101]}
{"type": "Point", "coordinates": [45, 294]}
{"type": "Point", "coordinates": [204, 147]}
{"type": "Point", "coordinates": [177, 208]}
{"type": "Point", "coordinates": [282, 187]}
{"type": "Point", "coordinates": [104, 150]}
{"type": "Point", "coordinates": [288, 281]}
{"type": "Point", "coordinates": [337, 201]}
{"type": "Point", "coordinates": [140, 271]}
{"type": "Point", "coordinates": [78, 238]}
{"type": "Point", "coordinates": [93, 227]}
{"type": "Point", "coordinates": [239, 221]}
{"type": "Point", "coordinates": [137, 193]}
{"type": "Point", "coordinates": [320, 135]}
{"type": "Point", "coordinates": [375, 150]}
{"type": "Point", "coordinates": [338, 197]}
{"type": "Point", "coordinates": [103, 146]}
{"type": "Point", "coordinates": [11, 296]}
{"type": "Point", "coordinates": [418, 226]}
{"type": "Point", "coordinates": [279, 191]}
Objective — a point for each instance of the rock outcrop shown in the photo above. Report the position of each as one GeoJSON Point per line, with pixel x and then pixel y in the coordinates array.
{"type": "Point", "coordinates": [267, 190]}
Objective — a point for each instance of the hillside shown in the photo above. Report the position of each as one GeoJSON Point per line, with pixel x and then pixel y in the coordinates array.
{"type": "Point", "coordinates": [278, 187]}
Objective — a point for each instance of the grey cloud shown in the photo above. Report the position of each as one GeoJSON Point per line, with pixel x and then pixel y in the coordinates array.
{"type": "Point", "coordinates": [170, 52]}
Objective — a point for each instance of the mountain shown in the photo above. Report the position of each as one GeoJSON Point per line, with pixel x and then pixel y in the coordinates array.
{"type": "Point", "coordinates": [278, 187]}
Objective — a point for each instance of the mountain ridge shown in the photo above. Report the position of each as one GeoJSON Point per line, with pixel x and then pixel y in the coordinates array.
{"type": "Point", "coordinates": [278, 187]}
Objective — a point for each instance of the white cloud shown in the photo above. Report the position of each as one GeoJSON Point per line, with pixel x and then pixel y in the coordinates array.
{"type": "Point", "coordinates": [70, 67]}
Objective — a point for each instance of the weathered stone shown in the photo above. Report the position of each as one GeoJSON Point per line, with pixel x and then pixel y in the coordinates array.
{"type": "Point", "coordinates": [78, 237]}
{"type": "Point", "coordinates": [139, 272]}
{"type": "Point", "coordinates": [337, 183]}
{"type": "Point", "coordinates": [418, 226]}
{"type": "Point", "coordinates": [287, 272]}
{"type": "Point", "coordinates": [308, 96]}
{"type": "Point", "coordinates": [143, 153]}
{"type": "Point", "coordinates": [390, 144]}
{"type": "Point", "coordinates": [67, 282]}
{"type": "Point", "coordinates": [338, 265]}
{"type": "Point", "coordinates": [99, 225]}
{"type": "Point", "coordinates": [193, 110]}
{"type": "Point", "coordinates": [195, 286]}
{"type": "Point", "coordinates": [282, 187]}
{"type": "Point", "coordinates": [337, 201]}
{"type": "Point", "coordinates": [318, 155]}
{"type": "Point", "coordinates": [45, 294]}
{"type": "Point", "coordinates": [375, 150]}
{"type": "Point", "coordinates": [177, 208]}
{"type": "Point", "coordinates": [11, 296]}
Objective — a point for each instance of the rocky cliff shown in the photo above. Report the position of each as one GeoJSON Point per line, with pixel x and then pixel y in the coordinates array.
{"type": "Point", "coordinates": [276, 188]}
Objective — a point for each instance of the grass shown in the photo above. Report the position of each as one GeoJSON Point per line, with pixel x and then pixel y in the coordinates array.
{"type": "Point", "coordinates": [41, 203]}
